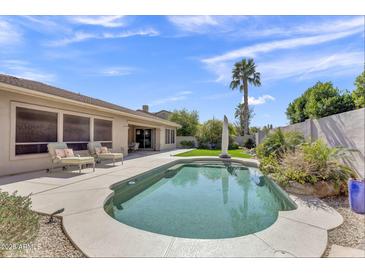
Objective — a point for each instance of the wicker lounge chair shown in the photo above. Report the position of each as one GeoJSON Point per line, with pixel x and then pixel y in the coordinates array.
{"type": "Point", "coordinates": [95, 151]}
{"type": "Point", "coordinates": [67, 161]}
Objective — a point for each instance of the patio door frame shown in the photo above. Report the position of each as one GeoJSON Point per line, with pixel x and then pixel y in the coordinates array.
{"type": "Point", "coordinates": [152, 139]}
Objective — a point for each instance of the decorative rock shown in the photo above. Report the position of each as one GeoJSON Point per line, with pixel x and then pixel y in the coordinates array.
{"type": "Point", "coordinates": [324, 189]}
{"type": "Point", "coordinates": [299, 189]}
{"type": "Point", "coordinates": [321, 189]}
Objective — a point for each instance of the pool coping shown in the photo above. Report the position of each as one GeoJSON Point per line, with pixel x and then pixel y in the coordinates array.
{"type": "Point", "coordinates": [301, 232]}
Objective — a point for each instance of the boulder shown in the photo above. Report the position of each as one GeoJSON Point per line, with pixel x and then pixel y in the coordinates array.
{"type": "Point", "coordinates": [321, 189]}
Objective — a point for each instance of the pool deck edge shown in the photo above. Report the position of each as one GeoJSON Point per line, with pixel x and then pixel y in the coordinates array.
{"type": "Point", "coordinates": [301, 232]}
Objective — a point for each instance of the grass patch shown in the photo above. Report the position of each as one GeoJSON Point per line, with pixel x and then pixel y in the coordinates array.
{"type": "Point", "coordinates": [214, 152]}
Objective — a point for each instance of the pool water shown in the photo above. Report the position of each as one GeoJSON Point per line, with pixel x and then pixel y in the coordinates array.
{"type": "Point", "coordinates": [204, 200]}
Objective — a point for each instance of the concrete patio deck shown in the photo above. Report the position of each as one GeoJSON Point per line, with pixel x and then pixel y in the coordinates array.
{"type": "Point", "coordinates": [297, 233]}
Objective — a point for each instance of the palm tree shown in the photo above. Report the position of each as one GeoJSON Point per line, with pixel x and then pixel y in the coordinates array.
{"type": "Point", "coordinates": [244, 73]}
{"type": "Point", "coordinates": [239, 114]}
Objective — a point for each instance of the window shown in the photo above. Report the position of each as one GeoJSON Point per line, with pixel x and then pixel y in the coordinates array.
{"type": "Point", "coordinates": [172, 136]}
{"type": "Point", "coordinates": [34, 129]}
{"type": "Point", "coordinates": [103, 132]}
{"type": "Point", "coordinates": [169, 136]}
{"type": "Point", "coordinates": [167, 131]}
{"type": "Point", "coordinates": [76, 131]}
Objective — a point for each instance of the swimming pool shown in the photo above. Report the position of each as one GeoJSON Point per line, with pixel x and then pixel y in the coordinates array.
{"type": "Point", "coordinates": [199, 199]}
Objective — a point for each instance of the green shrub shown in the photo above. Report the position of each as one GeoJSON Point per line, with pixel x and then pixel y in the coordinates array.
{"type": "Point", "coordinates": [203, 146]}
{"type": "Point", "coordinates": [233, 145]}
{"type": "Point", "coordinates": [250, 143]}
{"type": "Point", "coordinates": [269, 165]}
{"type": "Point", "coordinates": [278, 142]}
{"type": "Point", "coordinates": [187, 143]}
{"type": "Point", "coordinates": [307, 164]}
{"type": "Point", "coordinates": [18, 224]}
{"type": "Point", "coordinates": [210, 134]}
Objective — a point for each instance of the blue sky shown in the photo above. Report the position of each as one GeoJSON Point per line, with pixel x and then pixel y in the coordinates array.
{"type": "Point", "coordinates": [172, 62]}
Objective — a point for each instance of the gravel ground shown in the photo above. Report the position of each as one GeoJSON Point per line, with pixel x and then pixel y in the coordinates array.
{"type": "Point", "coordinates": [352, 232]}
{"type": "Point", "coordinates": [51, 241]}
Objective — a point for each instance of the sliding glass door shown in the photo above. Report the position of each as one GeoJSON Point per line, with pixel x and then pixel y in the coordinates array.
{"type": "Point", "coordinates": [144, 137]}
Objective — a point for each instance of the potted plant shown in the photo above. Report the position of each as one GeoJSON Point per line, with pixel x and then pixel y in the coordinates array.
{"type": "Point", "coordinates": [357, 195]}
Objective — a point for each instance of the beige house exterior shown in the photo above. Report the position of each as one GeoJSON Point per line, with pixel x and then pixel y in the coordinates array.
{"type": "Point", "coordinates": [33, 114]}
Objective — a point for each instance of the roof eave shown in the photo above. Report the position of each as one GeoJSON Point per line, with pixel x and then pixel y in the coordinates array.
{"type": "Point", "coordinates": [39, 94]}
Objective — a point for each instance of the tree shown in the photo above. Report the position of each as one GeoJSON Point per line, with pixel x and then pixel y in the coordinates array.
{"type": "Point", "coordinates": [239, 114]}
{"type": "Point", "coordinates": [296, 110]}
{"type": "Point", "coordinates": [243, 74]}
{"type": "Point", "coordinates": [358, 95]}
{"type": "Point", "coordinates": [323, 99]}
{"type": "Point", "coordinates": [267, 128]}
{"type": "Point", "coordinates": [189, 121]}
{"type": "Point", "coordinates": [210, 133]}
{"type": "Point", "coordinates": [254, 130]}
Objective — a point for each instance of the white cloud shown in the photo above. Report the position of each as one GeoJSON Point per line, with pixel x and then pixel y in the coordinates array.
{"type": "Point", "coordinates": [303, 65]}
{"type": "Point", "coordinates": [75, 38]}
{"type": "Point", "coordinates": [205, 24]}
{"type": "Point", "coordinates": [9, 35]}
{"type": "Point", "coordinates": [124, 34]}
{"type": "Point", "coordinates": [83, 36]}
{"type": "Point", "coordinates": [252, 51]}
{"type": "Point", "coordinates": [193, 23]}
{"type": "Point", "coordinates": [25, 70]}
{"type": "Point", "coordinates": [310, 65]}
{"type": "Point", "coordinates": [43, 24]}
{"type": "Point", "coordinates": [311, 28]}
{"type": "Point", "coordinates": [185, 92]}
{"type": "Point", "coordinates": [252, 101]}
{"type": "Point", "coordinates": [180, 96]}
{"type": "Point", "coordinates": [117, 71]}
{"type": "Point", "coordinates": [104, 21]}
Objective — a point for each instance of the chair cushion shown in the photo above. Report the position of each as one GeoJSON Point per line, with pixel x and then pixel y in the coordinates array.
{"type": "Point", "coordinates": [53, 146]}
{"type": "Point", "coordinates": [69, 152]}
{"type": "Point", "coordinates": [97, 150]}
{"type": "Point", "coordinates": [60, 152]}
{"type": "Point", "coordinates": [104, 150]}
{"type": "Point", "coordinates": [111, 155]}
{"type": "Point", "coordinates": [77, 160]}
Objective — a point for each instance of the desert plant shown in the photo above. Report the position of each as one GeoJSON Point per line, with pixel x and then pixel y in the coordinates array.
{"type": "Point", "coordinates": [18, 224]}
{"type": "Point", "coordinates": [278, 142]}
{"type": "Point", "coordinates": [269, 165]}
{"type": "Point", "coordinates": [307, 164]}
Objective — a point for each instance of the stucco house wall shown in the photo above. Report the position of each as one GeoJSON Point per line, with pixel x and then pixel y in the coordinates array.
{"type": "Point", "coordinates": [9, 99]}
{"type": "Point", "coordinates": [10, 164]}
{"type": "Point", "coordinates": [163, 145]}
